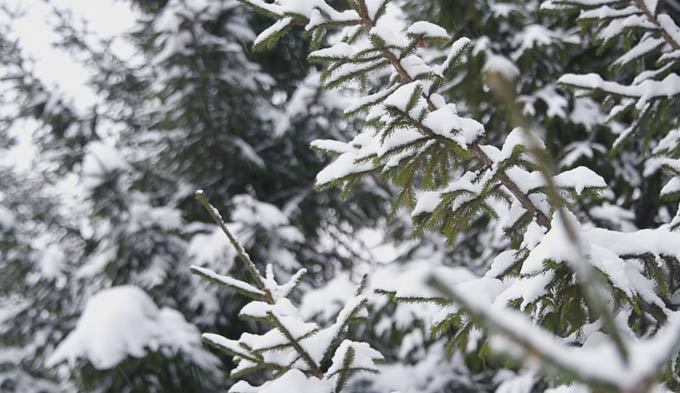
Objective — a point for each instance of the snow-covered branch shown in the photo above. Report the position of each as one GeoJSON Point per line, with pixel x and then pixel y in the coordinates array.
{"type": "Point", "coordinates": [293, 349]}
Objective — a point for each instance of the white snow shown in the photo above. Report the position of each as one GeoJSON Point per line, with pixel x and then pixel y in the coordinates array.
{"type": "Point", "coordinates": [672, 187]}
{"type": "Point", "coordinates": [533, 235]}
{"type": "Point", "coordinates": [329, 299]}
{"type": "Point", "coordinates": [427, 201]}
{"type": "Point", "coordinates": [660, 241]}
{"type": "Point", "coordinates": [574, 388]}
{"type": "Point", "coordinates": [598, 248]}
{"type": "Point", "coordinates": [400, 138]}
{"type": "Point", "coordinates": [644, 91]}
{"type": "Point", "coordinates": [404, 95]}
{"type": "Point", "coordinates": [338, 51]}
{"type": "Point", "coordinates": [577, 150]}
{"type": "Point", "coordinates": [669, 26]}
{"type": "Point", "coordinates": [456, 49]}
{"type": "Point", "coordinates": [330, 145]}
{"type": "Point", "coordinates": [257, 309]}
{"type": "Point", "coordinates": [532, 36]}
{"type": "Point", "coordinates": [601, 363]}
{"type": "Point", "coordinates": [579, 179]}
{"type": "Point", "coordinates": [501, 264]}
{"type": "Point", "coordinates": [124, 321]}
{"type": "Point", "coordinates": [364, 357]}
{"type": "Point", "coordinates": [52, 262]}
{"type": "Point", "coordinates": [250, 211]}
{"type": "Point", "coordinates": [373, 6]}
{"type": "Point", "coordinates": [416, 67]}
{"type": "Point", "coordinates": [428, 30]}
{"type": "Point", "coordinates": [521, 138]}
{"type": "Point", "coordinates": [292, 381]}
{"type": "Point", "coordinates": [226, 280]}
{"type": "Point", "coordinates": [387, 32]}
{"type": "Point", "coordinates": [435, 371]}
{"type": "Point", "coordinates": [373, 101]}
{"type": "Point", "coordinates": [415, 281]}
{"type": "Point", "coordinates": [556, 246]}
{"type": "Point", "coordinates": [529, 289]}
{"type": "Point", "coordinates": [461, 130]}
{"type": "Point", "coordinates": [272, 30]}
{"type": "Point", "coordinates": [501, 65]}
{"type": "Point", "coordinates": [364, 145]}
{"type": "Point", "coordinates": [521, 383]}
{"type": "Point", "coordinates": [646, 45]}
{"type": "Point", "coordinates": [143, 215]}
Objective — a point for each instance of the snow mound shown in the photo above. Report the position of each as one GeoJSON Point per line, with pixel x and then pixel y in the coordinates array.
{"type": "Point", "coordinates": [124, 321]}
{"type": "Point", "coordinates": [292, 381]}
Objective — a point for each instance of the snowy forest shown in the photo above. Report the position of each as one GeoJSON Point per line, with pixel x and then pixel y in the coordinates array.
{"type": "Point", "coordinates": [342, 196]}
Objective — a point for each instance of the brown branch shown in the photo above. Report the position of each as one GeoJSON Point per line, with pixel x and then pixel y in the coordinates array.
{"type": "Point", "coordinates": [652, 18]}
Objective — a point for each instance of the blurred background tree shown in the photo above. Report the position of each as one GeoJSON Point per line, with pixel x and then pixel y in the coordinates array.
{"type": "Point", "coordinates": [191, 109]}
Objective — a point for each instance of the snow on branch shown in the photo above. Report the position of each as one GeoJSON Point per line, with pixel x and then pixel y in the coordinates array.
{"type": "Point", "coordinates": [643, 91]}
{"type": "Point", "coordinates": [600, 366]}
{"type": "Point", "coordinates": [411, 125]}
{"type": "Point", "coordinates": [239, 286]}
{"type": "Point", "coordinates": [647, 35]}
{"type": "Point", "coordinates": [296, 352]}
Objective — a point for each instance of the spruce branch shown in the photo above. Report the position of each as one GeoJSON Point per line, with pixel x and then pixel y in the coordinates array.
{"type": "Point", "coordinates": [344, 318]}
{"type": "Point", "coordinates": [226, 346]}
{"type": "Point", "coordinates": [306, 357]}
{"type": "Point", "coordinates": [590, 282]}
{"type": "Point", "coordinates": [473, 147]}
{"type": "Point", "coordinates": [362, 285]}
{"type": "Point", "coordinates": [345, 371]}
{"type": "Point", "coordinates": [241, 287]}
{"type": "Point", "coordinates": [242, 254]}
{"type": "Point", "coordinates": [535, 341]}
{"type": "Point", "coordinates": [360, 7]}
{"type": "Point", "coordinates": [652, 17]}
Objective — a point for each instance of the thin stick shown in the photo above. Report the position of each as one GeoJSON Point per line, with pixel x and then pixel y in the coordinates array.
{"type": "Point", "coordinates": [242, 254]}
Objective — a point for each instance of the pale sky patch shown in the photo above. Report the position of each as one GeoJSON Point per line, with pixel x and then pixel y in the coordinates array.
{"type": "Point", "coordinates": [105, 18]}
{"type": "Point", "coordinates": [55, 66]}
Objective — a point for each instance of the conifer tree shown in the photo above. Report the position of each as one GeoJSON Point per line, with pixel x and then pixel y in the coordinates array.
{"type": "Point", "coordinates": [590, 288]}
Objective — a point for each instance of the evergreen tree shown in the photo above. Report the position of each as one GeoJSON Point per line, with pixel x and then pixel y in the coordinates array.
{"type": "Point", "coordinates": [589, 288]}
